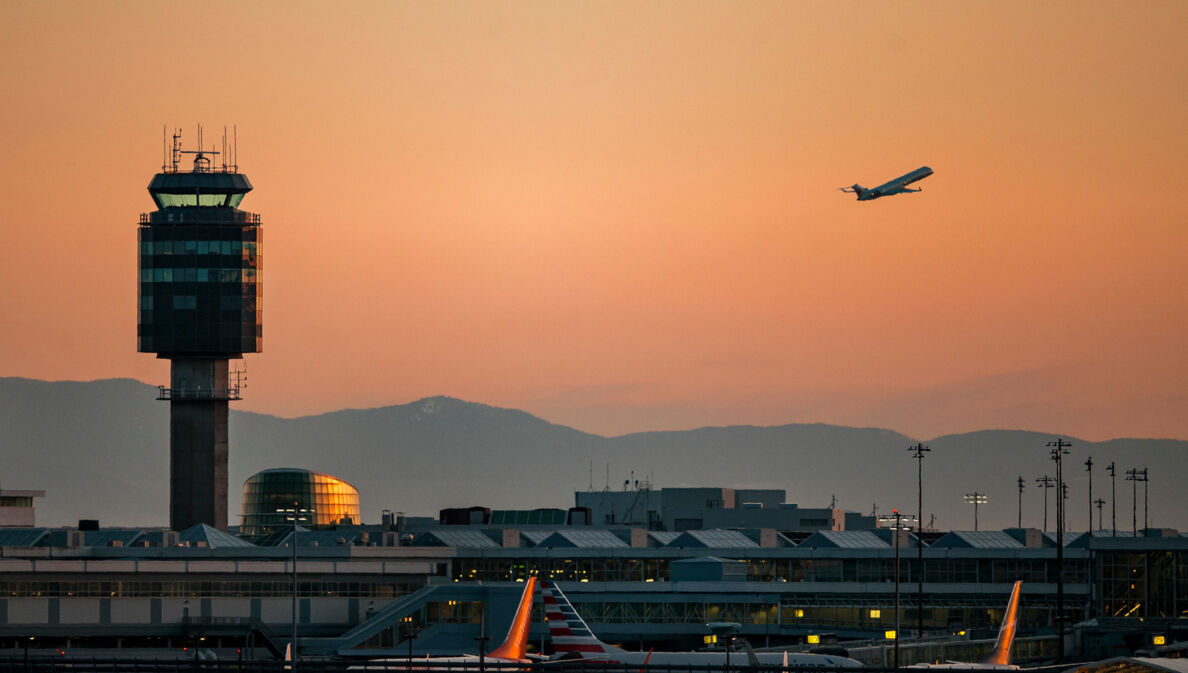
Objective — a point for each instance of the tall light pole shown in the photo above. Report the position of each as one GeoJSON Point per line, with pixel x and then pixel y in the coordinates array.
{"type": "Point", "coordinates": [1059, 449]}
{"type": "Point", "coordinates": [1132, 475]}
{"type": "Point", "coordinates": [1045, 482]}
{"type": "Point", "coordinates": [1064, 504]}
{"type": "Point", "coordinates": [976, 499]}
{"type": "Point", "coordinates": [1113, 498]}
{"type": "Point", "coordinates": [918, 453]}
{"type": "Point", "coordinates": [1020, 501]}
{"type": "Point", "coordinates": [1089, 469]}
{"type": "Point", "coordinates": [295, 514]}
{"type": "Point", "coordinates": [897, 522]}
{"type": "Point", "coordinates": [1099, 502]}
{"type": "Point", "coordinates": [1145, 479]}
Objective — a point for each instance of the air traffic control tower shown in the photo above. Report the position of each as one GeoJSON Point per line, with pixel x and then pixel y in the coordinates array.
{"type": "Point", "coordinates": [200, 302]}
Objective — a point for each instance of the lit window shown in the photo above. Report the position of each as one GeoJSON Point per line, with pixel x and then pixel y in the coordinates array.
{"type": "Point", "coordinates": [813, 639]}
{"type": "Point", "coordinates": [876, 614]}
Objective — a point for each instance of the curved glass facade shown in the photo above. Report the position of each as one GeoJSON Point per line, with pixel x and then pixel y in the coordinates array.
{"type": "Point", "coordinates": [333, 500]}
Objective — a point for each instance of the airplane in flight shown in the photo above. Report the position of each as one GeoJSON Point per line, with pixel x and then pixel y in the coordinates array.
{"type": "Point", "coordinates": [999, 658]}
{"type": "Point", "coordinates": [513, 650]}
{"type": "Point", "coordinates": [572, 639]}
{"type": "Point", "coordinates": [897, 186]}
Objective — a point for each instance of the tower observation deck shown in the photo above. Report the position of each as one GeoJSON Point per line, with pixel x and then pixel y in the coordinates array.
{"type": "Point", "coordinates": [200, 304]}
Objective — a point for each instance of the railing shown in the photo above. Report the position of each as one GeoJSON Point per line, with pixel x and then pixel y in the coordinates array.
{"type": "Point", "coordinates": [198, 393]}
{"type": "Point", "coordinates": [199, 214]}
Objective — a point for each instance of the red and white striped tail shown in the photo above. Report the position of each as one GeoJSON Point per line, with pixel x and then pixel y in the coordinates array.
{"type": "Point", "coordinates": [566, 629]}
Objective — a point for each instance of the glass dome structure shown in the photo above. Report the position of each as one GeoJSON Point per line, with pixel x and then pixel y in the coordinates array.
{"type": "Point", "coordinates": [332, 500]}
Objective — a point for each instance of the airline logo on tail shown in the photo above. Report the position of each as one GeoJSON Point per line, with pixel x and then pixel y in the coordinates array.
{"type": "Point", "coordinates": [567, 630]}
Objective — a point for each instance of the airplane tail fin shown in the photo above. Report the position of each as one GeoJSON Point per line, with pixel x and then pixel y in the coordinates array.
{"type": "Point", "coordinates": [1001, 654]}
{"type": "Point", "coordinates": [567, 630]}
{"type": "Point", "coordinates": [859, 190]}
{"type": "Point", "coordinates": [515, 646]}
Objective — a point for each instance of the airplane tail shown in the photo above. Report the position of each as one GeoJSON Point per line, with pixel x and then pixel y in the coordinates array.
{"type": "Point", "coordinates": [568, 631]}
{"type": "Point", "coordinates": [515, 646]}
{"type": "Point", "coordinates": [859, 190]}
{"type": "Point", "coordinates": [1001, 654]}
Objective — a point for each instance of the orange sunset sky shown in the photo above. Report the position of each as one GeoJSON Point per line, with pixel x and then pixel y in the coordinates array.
{"type": "Point", "coordinates": [624, 216]}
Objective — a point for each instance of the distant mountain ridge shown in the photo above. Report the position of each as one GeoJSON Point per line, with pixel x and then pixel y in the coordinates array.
{"type": "Point", "coordinates": [100, 450]}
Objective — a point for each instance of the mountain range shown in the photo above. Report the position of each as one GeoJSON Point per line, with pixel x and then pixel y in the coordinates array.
{"type": "Point", "coordinates": [100, 450]}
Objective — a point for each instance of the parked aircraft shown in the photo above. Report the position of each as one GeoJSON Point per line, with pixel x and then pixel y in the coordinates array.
{"type": "Point", "coordinates": [513, 650]}
{"type": "Point", "coordinates": [999, 658]}
{"type": "Point", "coordinates": [897, 186]}
{"type": "Point", "coordinates": [573, 639]}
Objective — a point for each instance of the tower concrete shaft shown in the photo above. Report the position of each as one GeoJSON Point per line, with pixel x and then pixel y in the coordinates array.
{"type": "Point", "coordinates": [198, 405]}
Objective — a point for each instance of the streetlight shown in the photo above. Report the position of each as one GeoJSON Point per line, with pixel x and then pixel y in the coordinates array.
{"type": "Point", "coordinates": [976, 499]}
{"type": "Point", "coordinates": [1058, 452]}
{"type": "Point", "coordinates": [897, 522]}
{"type": "Point", "coordinates": [918, 453]}
{"type": "Point", "coordinates": [482, 639]}
{"type": "Point", "coordinates": [1099, 502]}
{"type": "Point", "coordinates": [411, 635]}
{"type": "Point", "coordinates": [295, 513]}
{"type": "Point", "coordinates": [1045, 482]}
{"type": "Point", "coordinates": [1089, 469]}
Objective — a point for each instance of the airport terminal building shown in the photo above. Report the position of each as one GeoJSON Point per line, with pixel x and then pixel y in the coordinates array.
{"type": "Point", "coordinates": [366, 589]}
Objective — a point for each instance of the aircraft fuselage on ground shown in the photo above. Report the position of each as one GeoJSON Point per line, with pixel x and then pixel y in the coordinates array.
{"type": "Point", "coordinates": [897, 186]}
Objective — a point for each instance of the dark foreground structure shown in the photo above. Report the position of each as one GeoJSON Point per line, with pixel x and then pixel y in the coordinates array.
{"type": "Point", "coordinates": [200, 303]}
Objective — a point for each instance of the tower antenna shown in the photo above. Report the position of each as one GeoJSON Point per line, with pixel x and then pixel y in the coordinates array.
{"type": "Point", "coordinates": [235, 160]}
{"type": "Point", "coordinates": [163, 160]}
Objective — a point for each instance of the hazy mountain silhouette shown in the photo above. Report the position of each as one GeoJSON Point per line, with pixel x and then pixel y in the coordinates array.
{"type": "Point", "coordinates": [100, 450]}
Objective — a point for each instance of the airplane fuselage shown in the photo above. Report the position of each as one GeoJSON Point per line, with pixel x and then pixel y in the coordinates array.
{"type": "Point", "coordinates": [897, 186]}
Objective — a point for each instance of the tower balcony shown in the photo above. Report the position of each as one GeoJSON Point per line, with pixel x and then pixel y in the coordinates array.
{"type": "Point", "coordinates": [199, 216]}
{"type": "Point", "coordinates": [199, 393]}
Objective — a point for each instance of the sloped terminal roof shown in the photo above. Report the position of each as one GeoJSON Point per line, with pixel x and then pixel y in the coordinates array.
{"type": "Point", "coordinates": [203, 535]}
{"type": "Point", "coordinates": [454, 538]}
{"type": "Point", "coordinates": [979, 539]}
{"type": "Point", "coordinates": [586, 539]}
{"type": "Point", "coordinates": [845, 539]}
{"type": "Point", "coordinates": [713, 539]}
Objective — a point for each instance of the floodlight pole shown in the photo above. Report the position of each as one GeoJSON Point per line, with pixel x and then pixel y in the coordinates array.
{"type": "Point", "coordinates": [898, 525]}
{"type": "Point", "coordinates": [1113, 498]}
{"type": "Point", "coordinates": [976, 499]}
{"type": "Point", "coordinates": [1020, 501]}
{"type": "Point", "coordinates": [1099, 502]}
{"type": "Point", "coordinates": [294, 514]}
{"type": "Point", "coordinates": [1045, 482]}
{"type": "Point", "coordinates": [919, 450]}
{"type": "Point", "coordinates": [1059, 450]}
{"type": "Point", "coordinates": [1132, 475]}
{"type": "Point", "coordinates": [1089, 469]}
{"type": "Point", "coordinates": [1146, 525]}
